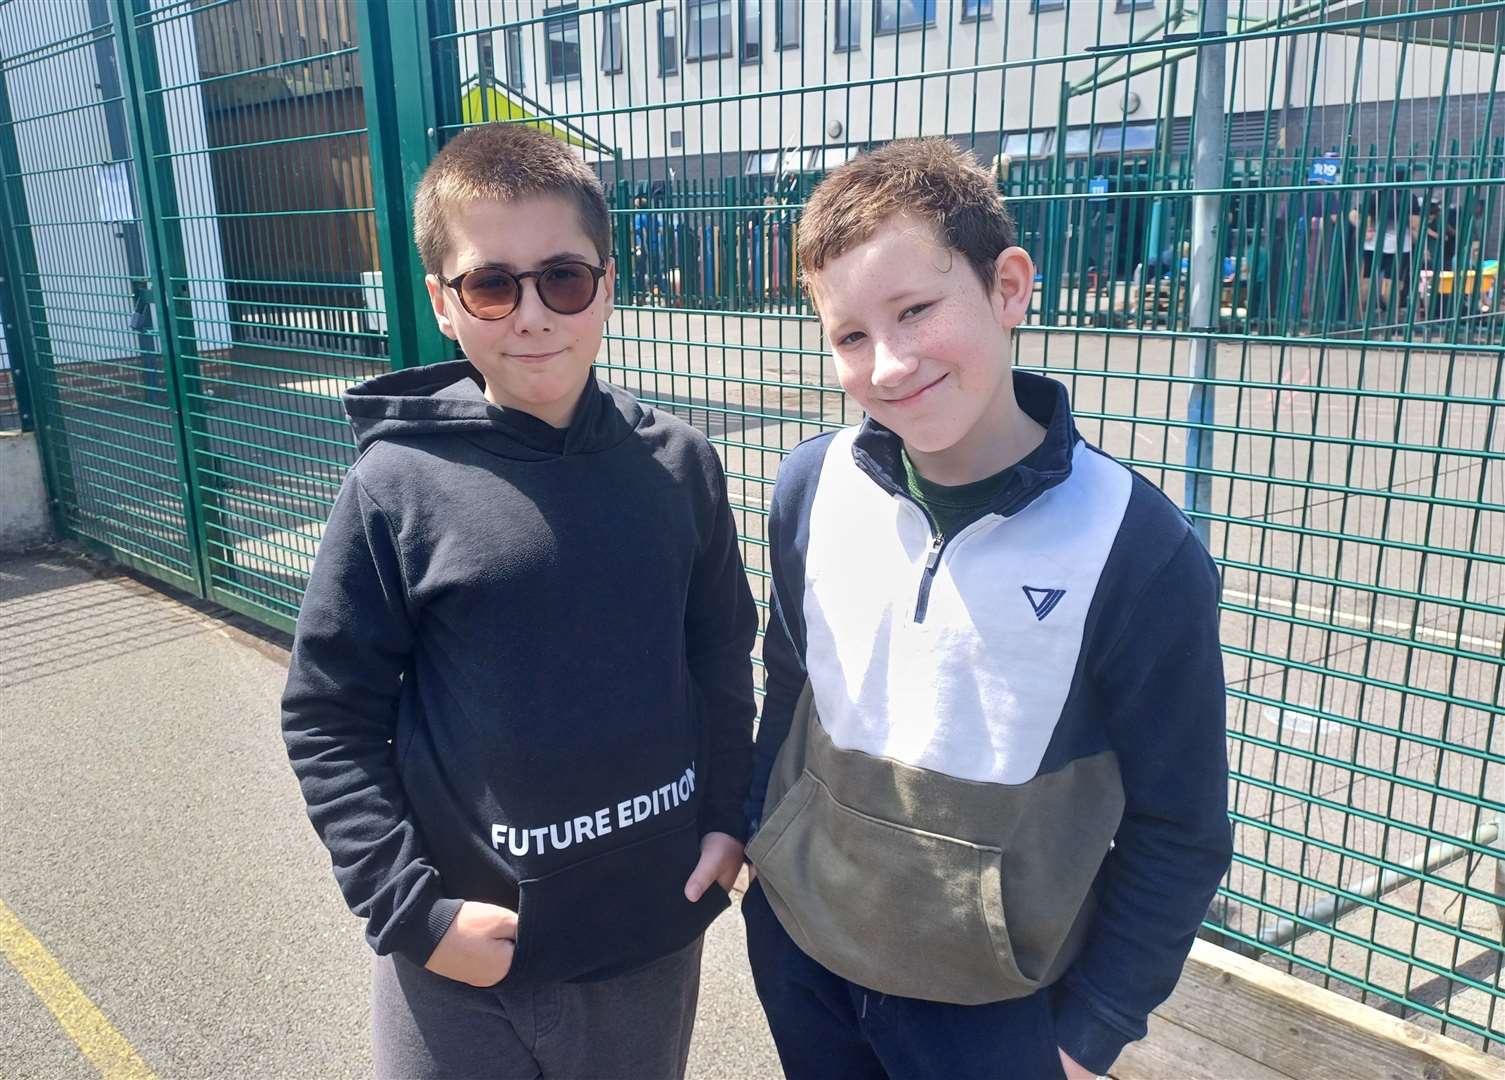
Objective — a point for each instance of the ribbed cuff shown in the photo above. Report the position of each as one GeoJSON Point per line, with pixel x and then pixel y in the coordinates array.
{"type": "Point", "coordinates": [723, 819]}
{"type": "Point", "coordinates": [1090, 1041]}
{"type": "Point", "coordinates": [421, 938]}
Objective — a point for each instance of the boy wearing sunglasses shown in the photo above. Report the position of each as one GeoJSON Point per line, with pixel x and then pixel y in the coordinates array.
{"type": "Point", "coordinates": [520, 701]}
{"type": "Point", "coordinates": [991, 773]}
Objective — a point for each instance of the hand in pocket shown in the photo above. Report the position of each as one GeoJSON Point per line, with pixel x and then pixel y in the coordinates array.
{"type": "Point", "coordinates": [478, 946]}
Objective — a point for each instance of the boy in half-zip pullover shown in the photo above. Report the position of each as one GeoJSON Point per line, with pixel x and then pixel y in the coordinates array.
{"type": "Point", "coordinates": [989, 788]}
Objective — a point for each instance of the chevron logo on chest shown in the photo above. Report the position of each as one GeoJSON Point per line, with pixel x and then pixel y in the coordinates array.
{"type": "Point", "coordinates": [1043, 601]}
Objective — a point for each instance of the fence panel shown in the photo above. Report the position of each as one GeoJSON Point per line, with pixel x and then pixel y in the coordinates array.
{"type": "Point", "coordinates": [1335, 435]}
{"type": "Point", "coordinates": [80, 261]}
{"type": "Point", "coordinates": [255, 123]}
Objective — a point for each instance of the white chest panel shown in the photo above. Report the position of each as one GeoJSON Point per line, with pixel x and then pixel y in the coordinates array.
{"type": "Point", "coordinates": [974, 691]}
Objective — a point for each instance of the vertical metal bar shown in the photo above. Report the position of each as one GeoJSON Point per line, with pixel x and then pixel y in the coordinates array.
{"type": "Point", "coordinates": [1206, 250]}
{"type": "Point", "coordinates": [402, 126]}
{"type": "Point", "coordinates": [12, 309]}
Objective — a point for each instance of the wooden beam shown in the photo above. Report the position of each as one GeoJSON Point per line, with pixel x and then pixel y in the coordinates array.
{"type": "Point", "coordinates": [1171, 1052]}
{"type": "Point", "coordinates": [1286, 1027]}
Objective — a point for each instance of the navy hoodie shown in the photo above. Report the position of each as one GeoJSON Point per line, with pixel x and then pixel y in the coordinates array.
{"type": "Point", "coordinates": [521, 673]}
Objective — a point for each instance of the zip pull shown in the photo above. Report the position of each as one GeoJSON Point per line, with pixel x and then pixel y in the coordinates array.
{"type": "Point", "coordinates": [937, 542]}
{"type": "Point", "coordinates": [932, 559]}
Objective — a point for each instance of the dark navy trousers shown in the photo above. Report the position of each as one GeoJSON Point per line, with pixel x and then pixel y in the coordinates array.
{"type": "Point", "coordinates": [827, 1028]}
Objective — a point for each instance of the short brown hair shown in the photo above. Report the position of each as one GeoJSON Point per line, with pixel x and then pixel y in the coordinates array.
{"type": "Point", "coordinates": [931, 179]}
{"type": "Point", "coordinates": [503, 162]}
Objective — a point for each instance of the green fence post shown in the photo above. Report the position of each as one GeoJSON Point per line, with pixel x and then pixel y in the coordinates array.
{"type": "Point", "coordinates": [402, 127]}
{"type": "Point", "coordinates": [12, 299]}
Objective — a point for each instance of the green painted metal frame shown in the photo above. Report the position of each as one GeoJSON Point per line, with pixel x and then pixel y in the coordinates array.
{"type": "Point", "coordinates": [402, 124]}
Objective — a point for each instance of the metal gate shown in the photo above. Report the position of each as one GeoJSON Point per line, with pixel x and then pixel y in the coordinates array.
{"type": "Point", "coordinates": [81, 268]}
{"type": "Point", "coordinates": [189, 190]}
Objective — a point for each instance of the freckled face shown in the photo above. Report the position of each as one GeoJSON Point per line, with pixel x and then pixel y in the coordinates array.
{"type": "Point", "coordinates": [534, 359]}
{"type": "Point", "coordinates": [918, 340]}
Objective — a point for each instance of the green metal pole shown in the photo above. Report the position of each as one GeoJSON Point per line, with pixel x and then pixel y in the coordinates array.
{"type": "Point", "coordinates": [402, 126]}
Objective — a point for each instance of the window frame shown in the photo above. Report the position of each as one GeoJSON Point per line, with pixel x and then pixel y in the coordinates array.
{"type": "Point", "coordinates": [1123, 7]}
{"type": "Point", "coordinates": [611, 39]}
{"type": "Point", "coordinates": [731, 35]}
{"type": "Point", "coordinates": [743, 7]}
{"type": "Point", "coordinates": [1038, 144]}
{"type": "Point", "coordinates": [1038, 6]}
{"type": "Point", "coordinates": [513, 65]}
{"type": "Point", "coordinates": [879, 30]}
{"type": "Point", "coordinates": [781, 39]}
{"type": "Point", "coordinates": [668, 15]}
{"type": "Point", "coordinates": [1127, 136]}
{"type": "Point", "coordinates": [854, 26]}
{"type": "Point", "coordinates": [983, 14]}
{"type": "Point", "coordinates": [560, 18]}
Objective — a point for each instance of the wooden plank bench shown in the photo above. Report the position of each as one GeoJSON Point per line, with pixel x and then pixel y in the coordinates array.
{"type": "Point", "coordinates": [1232, 1018]}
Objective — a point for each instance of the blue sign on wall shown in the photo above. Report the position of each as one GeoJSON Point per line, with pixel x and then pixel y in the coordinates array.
{"type": "Point", "coordinates": [1325, 170]}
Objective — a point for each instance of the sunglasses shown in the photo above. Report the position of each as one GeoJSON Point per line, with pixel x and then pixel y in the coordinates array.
{"type": "Point", "coordinates": [489, 292]}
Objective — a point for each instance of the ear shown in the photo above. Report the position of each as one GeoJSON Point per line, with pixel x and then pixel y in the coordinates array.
{"type": "Point", "coordinates": [609, 283]}
{"type": "Point", "coordinates": [438, 302]}
{"type": "Point", "coordinates": [1013, 286]}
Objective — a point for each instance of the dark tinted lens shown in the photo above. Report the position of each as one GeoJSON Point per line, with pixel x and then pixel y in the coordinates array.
{"type": "Point", "coordinates": [568, 287]}
{"type": "Point", "coordinates": [489, 294]}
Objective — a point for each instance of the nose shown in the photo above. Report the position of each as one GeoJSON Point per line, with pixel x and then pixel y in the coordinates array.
{"type": "Point", "coordinates": [891, 366]}
{"type": "Point", "coordinates": [532, 315]}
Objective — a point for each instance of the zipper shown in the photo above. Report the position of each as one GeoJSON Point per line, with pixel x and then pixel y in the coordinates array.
{"type": "Point", "coordinates": [932, 560]}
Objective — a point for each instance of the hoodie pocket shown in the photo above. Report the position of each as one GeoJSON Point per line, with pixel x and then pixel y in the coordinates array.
{"type": "Point", "coordinates": [888, 907]}
{"type": "Point", "coordinates": [612, 912]}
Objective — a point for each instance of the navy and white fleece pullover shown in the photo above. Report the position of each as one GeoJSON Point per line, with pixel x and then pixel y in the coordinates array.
{"type": "Point", "coordinates": [993, 763]}
{"type": "Point", "coordinates": [521, 673]}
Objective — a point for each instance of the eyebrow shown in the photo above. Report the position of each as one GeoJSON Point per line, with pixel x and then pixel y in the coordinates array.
{"type": "Point", "coordinates": [560, 257]}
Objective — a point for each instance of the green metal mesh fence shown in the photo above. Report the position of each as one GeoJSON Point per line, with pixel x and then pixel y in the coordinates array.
{"type": "Point", "coordinates": [1342, 454]}
{"type": "Point", "coordinates": [77, 266]}
{"type": "Point", "coordinates": [258, 147]}
{"type": "Point", "coordinates": [1332, 423]}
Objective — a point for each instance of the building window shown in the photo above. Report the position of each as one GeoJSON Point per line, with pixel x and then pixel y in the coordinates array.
{"type": "Point", "coordinates": [1046, 5]}
{"type": "Point", "coordinates": [512, 43]}
{"type": "Point", "coordinates": [896, 15]}
{"type": "Point", "coordinates": [708, 26]}
{"type": "Point", "coordinates": [762, 163]}
{"type": "Point", "coordinates": [1130, 5]}
{"type": "Point", "coordinates": [848, 16]}
{"type": "Point", "coordinates": [973, 10]}
{"type": "Point", "coordinates": [562, 47]}
{"type": "Point", "coordinates": [668, 42]}
{"type": "Point", "coordinates": [1078, 141]}
{"type": "Point", "coordinates": [788, 15]}
{"type": "Point", "coordinates": [486, 59]}
{"type": "Point", "coordinates": [611, 43]}
{"type": "Point", "coordinates": [752, 31]}
{"type": "Point", "coordinates": [1126, 139]}
{"type": "Point", "coordinates": [827, 158]}
{"type": "Point", "coordinates": [1031, 144]}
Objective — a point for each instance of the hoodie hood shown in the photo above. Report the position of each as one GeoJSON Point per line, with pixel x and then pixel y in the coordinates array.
{"type": "Point", "coordinates": [450, 398]}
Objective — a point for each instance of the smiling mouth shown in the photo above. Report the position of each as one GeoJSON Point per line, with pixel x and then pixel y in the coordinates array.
{"type": "Point", "coordinates": [535, 358]}
{"type": "Point", "coordinates": [917, 393]}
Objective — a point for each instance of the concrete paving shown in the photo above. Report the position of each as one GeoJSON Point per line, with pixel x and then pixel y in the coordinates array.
{"type": "Point", "coordinates": [154, 842]}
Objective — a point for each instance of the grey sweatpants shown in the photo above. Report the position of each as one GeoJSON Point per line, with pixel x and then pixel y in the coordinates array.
{"type": "Point", "coordinates": [427, 1027]}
